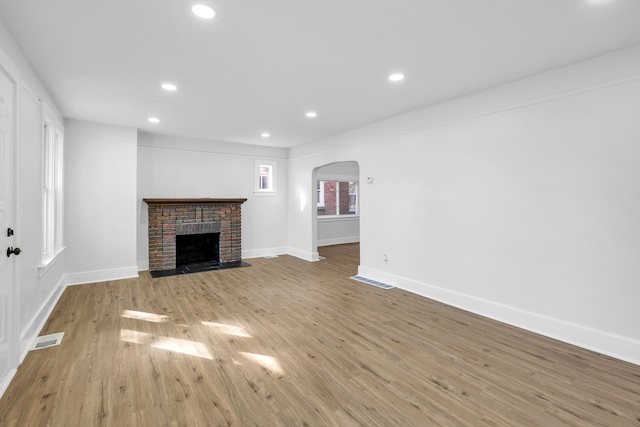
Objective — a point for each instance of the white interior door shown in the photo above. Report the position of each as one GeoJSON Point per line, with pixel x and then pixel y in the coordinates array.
{"type": "Point", "coordinates": [8, 117]}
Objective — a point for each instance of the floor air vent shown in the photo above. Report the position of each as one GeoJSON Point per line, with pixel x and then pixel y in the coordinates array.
{"type": "Point", "coordinates": [372, 282]}
{"type": "Point", "coordinates": [47, 341]}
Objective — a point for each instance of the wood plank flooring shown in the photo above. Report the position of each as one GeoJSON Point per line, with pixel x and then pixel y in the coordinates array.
{"type": "Point", "coordinates": [291, 343]}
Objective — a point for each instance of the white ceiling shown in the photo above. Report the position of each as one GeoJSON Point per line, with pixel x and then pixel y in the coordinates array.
{"type": "Point", "coordinates": [260, 65]}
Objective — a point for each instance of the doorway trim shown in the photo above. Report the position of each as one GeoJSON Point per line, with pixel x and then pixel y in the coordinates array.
{"type": "Point", "coordinates": [13, 180]}
{"type": "Point", "coordinates": [331, 176]}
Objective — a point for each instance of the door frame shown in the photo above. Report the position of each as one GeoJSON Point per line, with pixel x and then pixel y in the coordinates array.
{"type": "Point", "coordinates": [7, 67]}
{"type": "Point", "coordinates": [314, 210]}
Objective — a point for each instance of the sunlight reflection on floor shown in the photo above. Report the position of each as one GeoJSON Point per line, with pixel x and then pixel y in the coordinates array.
{"type": "Point", "coordinates": [177, 345]}
{"type": "Point", "coordinates": [238, 331]}
{"type": "Point", "coordinates": [148, 317]}
{"type": "Point", "coordinates": [267, 362]}
{"type": "Point", "coordinates": [192, 348]}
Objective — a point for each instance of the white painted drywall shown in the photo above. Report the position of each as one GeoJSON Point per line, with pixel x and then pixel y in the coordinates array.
{"type": "Point", "coordinates": [30, 214]}
{"type": "Point", "coordinates": [520, 203]}
{"type": "Point", "coordinates": [181, 167]}
{"type": "Point", "coordinates": [100, 201]}
{"type": "Point", "coordinates": [29, 77]}
{"type": "Point", "coordinates": [343, 171]}
{"type": "Point", "coordinates": [338, 230]}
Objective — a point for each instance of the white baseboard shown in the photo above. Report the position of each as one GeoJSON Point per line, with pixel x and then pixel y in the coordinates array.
{"type": "Point", "coordinates": [307, 256]}
{"type": "Point", "coordinates": [338, 240]}
{"type": "Point", "coordinates": [101, 275]}
{"type": "Point", "coordinates": [33, 328]}
{"type": "Point", "coordinates": [259, 253]}
{"type": "Point", "coordinates": [620, 347]}
{"type": "Point", "coordinates": [4, 382]}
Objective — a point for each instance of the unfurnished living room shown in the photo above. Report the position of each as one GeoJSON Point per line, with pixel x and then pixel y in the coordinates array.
{"type": "Point", "coordinates": [336, 213]}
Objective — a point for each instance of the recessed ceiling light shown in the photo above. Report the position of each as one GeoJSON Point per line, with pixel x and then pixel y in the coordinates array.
{"type": "Point", "coordinates": [203, 11]}
{"type": "Point", "coordinates": [311, 114]}
{"type": "Point", "coordinates": [169, 87]}
{"type": "Point", "coordinates": [154, 119]}
{"type": "Point", "coordinates": [396, 77]}
{"type": "Point", "coordinates": [265, 135]}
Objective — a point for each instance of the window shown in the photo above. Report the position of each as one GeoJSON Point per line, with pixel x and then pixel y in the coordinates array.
{"type": "Point", "coordinates": [320, 197]}
{"type": "Point", "coordinates": [53, 138]}
{"type": "Point", "coordinates": [337, 198]}
{"type": "Point", "coordinates": [265, 178]}
{"type": "Point", "coordinates": [353, 197]}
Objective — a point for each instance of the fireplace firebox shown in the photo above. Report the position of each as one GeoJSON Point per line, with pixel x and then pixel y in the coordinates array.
{"type": "Point", "coordinates": [197, 249]}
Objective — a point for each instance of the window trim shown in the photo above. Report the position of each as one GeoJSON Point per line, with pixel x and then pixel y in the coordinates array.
{"type": "Point", "coordinates": [333, 218]}
{"type": "Point", "coordinates": [52, 196]}
{"type": "Point", "coordinates": [320, 193]}
{"type": "Point", "coordinates": [272, 190]}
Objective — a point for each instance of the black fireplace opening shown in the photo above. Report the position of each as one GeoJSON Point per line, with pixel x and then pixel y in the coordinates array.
{"type": "Point", "coordinates": [197, 249]}
{"type": "Point", "coordinates": [197, 253]}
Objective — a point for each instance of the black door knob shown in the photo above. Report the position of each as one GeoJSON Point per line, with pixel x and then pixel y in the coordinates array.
{"type": "Point", "coordinates": [15, 251]}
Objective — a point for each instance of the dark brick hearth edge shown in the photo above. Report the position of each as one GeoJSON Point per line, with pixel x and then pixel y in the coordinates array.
{"type": "Point", "coordinates": [167, 215]}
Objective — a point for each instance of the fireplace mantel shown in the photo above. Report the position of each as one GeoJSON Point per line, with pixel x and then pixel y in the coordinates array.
{"type": "Point", "coordinates": [183, 201]}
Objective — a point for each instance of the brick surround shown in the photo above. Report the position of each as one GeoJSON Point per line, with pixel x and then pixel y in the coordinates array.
{"type": "Point", "coordinates": [171, 217]}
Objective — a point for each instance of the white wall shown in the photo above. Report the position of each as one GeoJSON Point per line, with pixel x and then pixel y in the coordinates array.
{"type": "Point", "coordinates": [337, 230]}
{"type": "Point", "coordinates": [520, 203]}
{"type": "Point", "coordinates": [29, 77]}
{"type": "Point", "coordinates": [182, 167]}
{"type": "Point", "coordinates": [39, 288]}
{"type": "Point", "coordinates": [339, 171]}
{"type": "Point", "coordinates": [100, 201]}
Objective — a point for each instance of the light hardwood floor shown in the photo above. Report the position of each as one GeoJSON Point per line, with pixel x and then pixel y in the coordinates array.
{"type": "Point", "coordinates": [291, 343]}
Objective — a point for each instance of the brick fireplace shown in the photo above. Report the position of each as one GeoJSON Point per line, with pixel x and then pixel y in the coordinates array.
{"type": "Point", "coordinates": [169, 218]}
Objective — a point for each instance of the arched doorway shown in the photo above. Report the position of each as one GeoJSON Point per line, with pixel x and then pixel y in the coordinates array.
{"type": "Point", "coordinates": [336, 217]}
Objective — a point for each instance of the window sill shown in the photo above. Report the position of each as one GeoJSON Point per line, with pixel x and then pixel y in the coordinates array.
{"type": "Point", "coordinates": [327, 218]}
{"type": "Point", "coordinates": [265, 193]}
{"type": "Point", "coordinates": [46, 264]}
